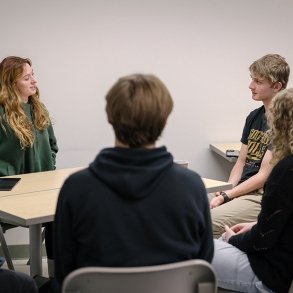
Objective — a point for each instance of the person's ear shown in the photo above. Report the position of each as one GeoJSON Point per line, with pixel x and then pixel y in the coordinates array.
{"type": "Point", "coordinates": [277, 86]}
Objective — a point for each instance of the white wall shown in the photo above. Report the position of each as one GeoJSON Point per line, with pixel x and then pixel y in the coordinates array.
{"type": "Point", "coordinates": [200, 49]}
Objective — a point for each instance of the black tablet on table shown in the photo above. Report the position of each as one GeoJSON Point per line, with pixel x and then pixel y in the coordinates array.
{"type": "Point", "coordinates": [7, 184]}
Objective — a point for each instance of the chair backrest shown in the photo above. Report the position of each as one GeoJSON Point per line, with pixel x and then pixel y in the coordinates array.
{"type": "Point", "coordinates": [291, 288]}
{"type": "Point", "coordinates": [192, 276]}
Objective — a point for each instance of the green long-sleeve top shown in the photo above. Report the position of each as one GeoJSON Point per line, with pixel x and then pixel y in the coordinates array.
{"type": "Point", "coordinates": [15, 160]}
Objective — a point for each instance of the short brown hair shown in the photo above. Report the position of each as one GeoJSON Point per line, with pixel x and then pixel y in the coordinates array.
{"type": "Point", "coordinates": [273, 68]}
{"type": "Point", "coordinates": [138, 106]}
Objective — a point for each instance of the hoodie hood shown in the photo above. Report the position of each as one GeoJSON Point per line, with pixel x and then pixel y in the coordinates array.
{"type": "Point", "coordinates": [130, 172]}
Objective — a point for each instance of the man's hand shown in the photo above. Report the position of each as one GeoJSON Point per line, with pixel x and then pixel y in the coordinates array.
{"type": "Point", "coordinates": [216, 201]}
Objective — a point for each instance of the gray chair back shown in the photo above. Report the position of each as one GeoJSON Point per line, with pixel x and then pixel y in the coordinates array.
{"type": "Point", "coordinates": [291, 288]}
{"type": "Point", "coordinates": [192, 276]}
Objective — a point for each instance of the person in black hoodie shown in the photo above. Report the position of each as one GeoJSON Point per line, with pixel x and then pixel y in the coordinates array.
{"type": "Point", "coordinates": [258, 256]}
{"type": "Point", "coordinates": [133, 206]}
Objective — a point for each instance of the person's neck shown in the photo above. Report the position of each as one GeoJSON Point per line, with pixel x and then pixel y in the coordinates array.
{"type": "Point", "coordinates": [277, 88]}
{"type": "Point", "coordinates": [25, 99]}
{"type": "Point", "coordinates": [120, 144]}
{"type": "Point", "coordinates": [267, 103]}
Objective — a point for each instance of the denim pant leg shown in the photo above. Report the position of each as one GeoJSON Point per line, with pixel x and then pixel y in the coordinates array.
{"type": "Point", "coordinates": [233, 269]}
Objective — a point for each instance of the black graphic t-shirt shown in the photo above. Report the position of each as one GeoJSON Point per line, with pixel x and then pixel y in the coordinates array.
{"type": "Point", "coordinates": [257, 140]}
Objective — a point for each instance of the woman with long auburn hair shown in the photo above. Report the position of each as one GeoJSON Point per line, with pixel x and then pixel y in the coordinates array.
{"type": "Point", "coordinates": [27, 140]}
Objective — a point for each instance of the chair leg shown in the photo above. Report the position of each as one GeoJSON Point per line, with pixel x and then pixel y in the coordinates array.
{"type": "Point", "coordinates": [5, 250]}
{"type": "Point", "coordinates": [43, 238]}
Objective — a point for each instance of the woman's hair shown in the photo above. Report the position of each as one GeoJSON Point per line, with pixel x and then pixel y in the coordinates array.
{"type": "Point", "coordinates": [273, 68]}
{"type": "Point", "coordinates": [138, 106]}
{"type": "Point", "coordinates": [280, 122]}
{"type": "Point", "coordinates": [11, 69]}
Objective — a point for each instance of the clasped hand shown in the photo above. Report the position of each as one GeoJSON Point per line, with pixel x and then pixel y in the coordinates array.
{"type": "Point", "coordinates": [236, 229]}
{"type": "Point", "coordinates": [216, 201]}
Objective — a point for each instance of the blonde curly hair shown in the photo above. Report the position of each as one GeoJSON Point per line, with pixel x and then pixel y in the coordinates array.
{"type": "Point", "coordinates": [280, 122]}
{"type": "Point", "coordinates": [11, 68]}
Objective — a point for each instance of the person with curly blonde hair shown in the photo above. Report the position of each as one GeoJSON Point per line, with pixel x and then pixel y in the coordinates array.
{"type": "Point", "coordinates": [258, 256]}
{"type": "Point", "coordinates": [27, 140]}
{"type": "Point", "coordinates": [280, 121]}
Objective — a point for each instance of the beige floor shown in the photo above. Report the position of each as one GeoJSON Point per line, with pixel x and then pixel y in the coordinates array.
{"type": "Point", "coordinates": [21, 266]}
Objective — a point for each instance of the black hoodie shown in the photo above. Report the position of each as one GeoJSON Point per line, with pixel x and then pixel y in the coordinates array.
{"type": "Point", "coordinates": [131, 207]}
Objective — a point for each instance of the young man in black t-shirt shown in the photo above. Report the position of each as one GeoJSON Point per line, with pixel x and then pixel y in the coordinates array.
{"type": "Point", "coordinates": [269, 75]}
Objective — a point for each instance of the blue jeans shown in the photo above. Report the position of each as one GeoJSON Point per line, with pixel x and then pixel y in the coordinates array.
{"type": "Point", "coordinates": [233, 270]}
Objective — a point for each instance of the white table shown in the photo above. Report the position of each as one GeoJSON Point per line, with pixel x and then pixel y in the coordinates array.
{"type": "Point", "coordinates": [31, 210]}
{"type": "Point", "coordinates": [221, 148]}
{"type": "Point", "coordinates": [33, 200]}
{"type": "Point", "coordinates": [40, 181]}
{"type": "Point", "coordinates": [31, 203]}
{"type": "Point", "coordinates": [216, 185]}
